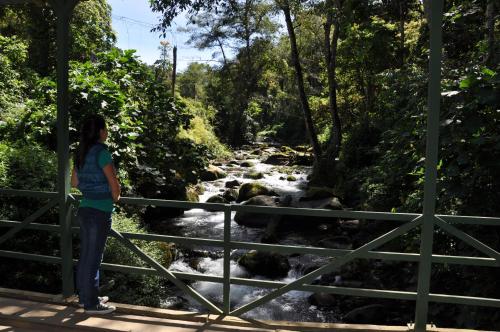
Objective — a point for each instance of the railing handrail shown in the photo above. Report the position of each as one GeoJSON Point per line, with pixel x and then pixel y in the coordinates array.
{"type": "Point", "coordinates": [323, 252]}
{"type": "Point", "coordinates": [228, 244]}
{"type": "Point", "coordinates": [370, 215]}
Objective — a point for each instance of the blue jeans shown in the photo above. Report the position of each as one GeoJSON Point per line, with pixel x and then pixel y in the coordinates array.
{"type": "Point", "coordinates": [94, 229]}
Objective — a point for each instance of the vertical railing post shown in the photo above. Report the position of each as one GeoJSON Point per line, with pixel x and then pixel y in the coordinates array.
{"type": "Point", "coordinates": [63, 10]}
{"type": "Point", "coordinates": [431, 161]}
{"type": "Point", "coordinates": [227, 261]}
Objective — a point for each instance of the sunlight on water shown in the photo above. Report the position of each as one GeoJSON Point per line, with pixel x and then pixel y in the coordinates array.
{"type": "Point", "coordinates": [293, 306]}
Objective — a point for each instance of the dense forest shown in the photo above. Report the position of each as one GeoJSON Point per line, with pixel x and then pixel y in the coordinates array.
{"type": "Point", "coordinates": [338, 86]}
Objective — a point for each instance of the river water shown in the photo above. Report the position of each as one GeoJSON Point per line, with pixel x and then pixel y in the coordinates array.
{"type": "Point", "coordinates": [293, 306]}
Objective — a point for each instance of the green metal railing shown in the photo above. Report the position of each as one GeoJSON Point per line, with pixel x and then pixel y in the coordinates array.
{"type": "Point", "coordinates": [428, 220]}
{"type": "Point", "coordinates": [339, 257]}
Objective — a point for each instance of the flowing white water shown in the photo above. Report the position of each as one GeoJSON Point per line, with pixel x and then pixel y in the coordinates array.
{"type": "Point", "coordinates": [292, 306]}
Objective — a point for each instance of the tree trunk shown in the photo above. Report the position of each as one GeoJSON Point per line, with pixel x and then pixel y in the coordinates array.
{"type": "Point", "coordinates": [490, 30]}
{"type": "Point", "coordinates": [285, 7]}
{"type": "Point", "coordinates": [330, 51]}
{"type": "Point", "coordinates": [174, 71]}
{"type": "Point", "coordinates": [221, 46]}
{"type": "Point", "coordinates": [402, 18]}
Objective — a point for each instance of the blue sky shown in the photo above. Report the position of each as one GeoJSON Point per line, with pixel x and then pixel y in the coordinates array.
{"type": "Point", "coordinates": [133, 20]}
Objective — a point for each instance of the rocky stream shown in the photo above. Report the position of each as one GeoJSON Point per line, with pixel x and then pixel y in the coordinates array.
{"type": "Point", "coordinates": [277, 176]}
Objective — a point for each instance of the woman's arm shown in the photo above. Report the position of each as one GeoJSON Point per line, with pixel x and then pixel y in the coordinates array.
{"type": "Point", "coordinates": [114, 185]}
{"type": "Point", "coordinates": [74, 178]}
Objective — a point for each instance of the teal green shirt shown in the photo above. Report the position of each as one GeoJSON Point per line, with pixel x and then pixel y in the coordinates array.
{"type": "Point", "coordinates": [105, 205]}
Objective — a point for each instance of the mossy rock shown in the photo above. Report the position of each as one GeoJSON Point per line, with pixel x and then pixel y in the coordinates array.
{"type": "Point", "coordinates": [291, 178]}
{"type": "Point", "coordinates": [257, 220]}
{"type": "Point", "coordinates": [153, 214]}
{"type": "Point", "coordinates": [254, 175]}
{"type": "Point", "coordinates": [230, 195]}
{"type": "Point", "coordinates": [217, 199]}
{"type": "Point", "coordinates": [288, 150]}
{"type": "Point", "coordinates": [256, 152]}
{"type": "Point", "coordinates": [277, 159]}
{"type": "Point", "coordinates": [232, 184]}
{"type": "Point", "coordinates": [247, 164]}
{"type": "Point", "coordinates": [212, 173]}
{"type": "Point", "coordinates": [303, 160]}
{"type": "Point", "coordinates": [167, 252]}
{"type": "Point", "coordinates": [330, 203]}
{"type": "Point", "coordinates": [252, 189]}
{"type": "Point", "coordinates": [271, 265]}
{"type": "Point", "coordinates": [315, 193]}
{"type": "Point", "coordinates": [192, 194]}
{"type": "Point", "coordinates": [301, 148]}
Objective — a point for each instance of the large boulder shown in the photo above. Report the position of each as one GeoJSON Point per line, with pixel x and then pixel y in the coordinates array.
{"type": "Point", "coordinates": [217, 199]}
{"type": "Point", "coordinates": [212, 173]}
{"type": "Point", "coordinates": [303, 160]}
{"type": "Point", "coordinates": [303, 222]}
{"type": "Point", "coordinates": [271, 265]}
{"type": "Point", "coordinates": [252, 189]}
{"type": "Point", "coordinates": [232, 184]}
{"type": "Point", "coordinates": [316, 193]}
{"type": "Point", "coordinates": [277, 159]}
{"type": "Point", "coordinates": [331, 203]}
{"type": "Point", "coordinates": [246, 164]}
{"type": "Point", "coordinates": [176, 191]}
{"type": "Point", "coordinates": [253, 175]}
{"type": "Point", "coordinates": [230, 195]}
{"type": "Point", "coordinates": [257, 220]}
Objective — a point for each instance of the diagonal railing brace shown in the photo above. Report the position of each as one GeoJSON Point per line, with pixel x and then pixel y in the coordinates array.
{"type": "Point", "coordinates": [28, 220]}
{"type": "Point", "coordinates": [167, 274]}
{"type": "Point", "coordinates": [468, 239]}
{"type": "Point", "coordinates": [331, 266]}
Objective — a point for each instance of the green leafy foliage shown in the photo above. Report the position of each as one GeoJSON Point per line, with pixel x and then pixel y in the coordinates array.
{"type": "Point", "coordinates": [13, 54]}
{"type": "Point", "coordinates": [144, 123]}
{"type": "Point", "coordinates": [469, 178]}
{"type": "Point", "coordinates": [29, 167]}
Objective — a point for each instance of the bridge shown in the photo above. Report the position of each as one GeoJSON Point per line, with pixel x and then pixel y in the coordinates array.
{"type": "Point", "coordinates": [427, 220]}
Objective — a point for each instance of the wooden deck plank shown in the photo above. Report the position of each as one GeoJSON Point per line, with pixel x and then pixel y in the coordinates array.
{"type": "Point", "coordinates": [43, 312]}
{"type": "Point", "coordinates": [46, 317]}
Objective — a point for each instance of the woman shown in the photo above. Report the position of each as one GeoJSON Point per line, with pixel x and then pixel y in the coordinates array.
{"type": "Point", "coordinates": [94, 175]}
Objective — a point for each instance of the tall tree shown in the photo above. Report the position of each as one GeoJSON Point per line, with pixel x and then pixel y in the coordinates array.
{"type": "Point", "coordinates": [284, 5]}
{"type": "Point", "coordinates": [240, 25]}
{"type": "Point", "coordinates": [491, 10]}
{"type": "Point", "coordinates": [334, 18]}
{"type": "Point", "coordinates": [207, 31]}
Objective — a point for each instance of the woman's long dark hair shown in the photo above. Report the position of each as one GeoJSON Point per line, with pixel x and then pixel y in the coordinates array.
{"type": "Point", "coordinates": [90, 133]}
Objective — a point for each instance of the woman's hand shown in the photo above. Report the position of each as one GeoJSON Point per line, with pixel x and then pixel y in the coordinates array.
{"type": "Point", "coordinates": [74, 178]}
{"type": "Point", "coordinates": [114, 185]}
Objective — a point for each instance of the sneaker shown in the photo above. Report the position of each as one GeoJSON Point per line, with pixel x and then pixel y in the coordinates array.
{"type": "Point", "coordinates": [102, 300]}
{"type": "Point", "coordinates": [100, 309]}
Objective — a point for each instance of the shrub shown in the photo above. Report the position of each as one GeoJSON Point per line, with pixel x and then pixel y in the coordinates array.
{"type": "Point", "coordinates": [131, 288]}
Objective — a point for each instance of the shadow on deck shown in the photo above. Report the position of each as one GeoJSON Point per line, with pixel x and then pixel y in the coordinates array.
{"type": "Point", "coordinates": [31, 311]}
